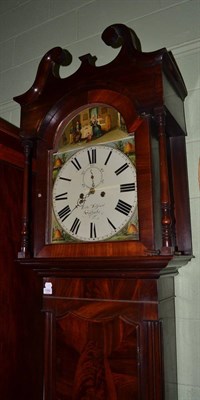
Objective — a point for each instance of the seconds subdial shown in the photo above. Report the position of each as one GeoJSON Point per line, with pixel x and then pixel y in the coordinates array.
{"type": "Point", "coordinates": [92, 177]}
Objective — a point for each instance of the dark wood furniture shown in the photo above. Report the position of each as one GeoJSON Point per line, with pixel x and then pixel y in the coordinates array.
{"type": "Point", "coordinates": [20, 290]}
{"type": "Point", "coordinates": [103, 328]}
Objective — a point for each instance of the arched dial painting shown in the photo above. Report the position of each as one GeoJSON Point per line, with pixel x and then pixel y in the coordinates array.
{"type": "Point", "coordinates": [94, 182]}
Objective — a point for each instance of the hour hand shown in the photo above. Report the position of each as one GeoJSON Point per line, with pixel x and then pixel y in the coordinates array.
{"type": "Point", "coordinates": [81, 200]}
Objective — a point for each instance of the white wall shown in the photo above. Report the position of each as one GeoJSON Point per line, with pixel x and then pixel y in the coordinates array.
{"type": "Point", "coordinates": [29, 28]}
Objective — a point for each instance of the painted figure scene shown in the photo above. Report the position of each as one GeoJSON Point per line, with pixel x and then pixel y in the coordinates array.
{"type": "Point", "coordinates": [92, 124]}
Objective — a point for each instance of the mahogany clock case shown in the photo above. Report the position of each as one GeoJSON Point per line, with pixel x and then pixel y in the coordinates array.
{"type": "Point", "coordinates": [103, 301]}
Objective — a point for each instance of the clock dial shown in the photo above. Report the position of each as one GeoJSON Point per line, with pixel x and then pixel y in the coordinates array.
{"type": "Point", "coordinates": [94, 195]}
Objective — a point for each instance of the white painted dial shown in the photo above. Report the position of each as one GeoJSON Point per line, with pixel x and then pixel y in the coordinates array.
{"type": "Point", "coordinates": [94, 195]}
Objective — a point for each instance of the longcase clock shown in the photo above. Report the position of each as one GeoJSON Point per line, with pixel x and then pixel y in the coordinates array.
{"type": "Point", "coordinates": [110, 222]}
